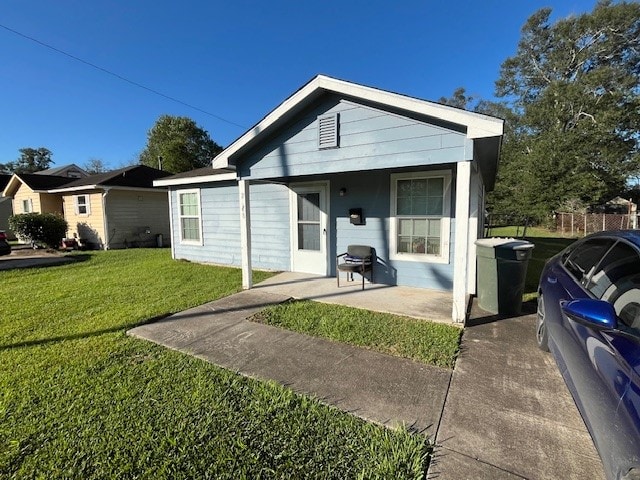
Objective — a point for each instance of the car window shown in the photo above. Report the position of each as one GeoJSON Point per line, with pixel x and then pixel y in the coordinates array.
{"type": "Point", "coordinates": [584, 258]}
{"type": "Point", "coordinates": [617, 280]}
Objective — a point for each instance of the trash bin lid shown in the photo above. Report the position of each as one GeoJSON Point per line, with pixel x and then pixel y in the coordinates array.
{"type": "Point", "coordinates": [503, 248]}
{"type": "Point", "coordinates": [504, 243]}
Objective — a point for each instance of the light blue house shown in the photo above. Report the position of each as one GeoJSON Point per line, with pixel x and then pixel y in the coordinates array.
{"type": "Point", "coordinates": [336, 164]}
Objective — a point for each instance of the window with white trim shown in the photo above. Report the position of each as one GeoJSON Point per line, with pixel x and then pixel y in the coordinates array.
{"type": "Point", "coordinates": [190, 218]}
{"type": "Point", "coordinates": [27, 205]}
{"type": "Point", "coordinates": [420, 209]}
{"type": "Point", "coordinates": [82, 204]}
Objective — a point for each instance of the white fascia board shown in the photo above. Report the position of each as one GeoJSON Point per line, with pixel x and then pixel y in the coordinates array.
{"type": "Point", "coordinates": [74, 189]}
{"type": "Point", "coordinates": [132, 189]}
{"type": "Point", "coordinates": [222, 160]}
{"type": "Point", "coordinates": [15, 179]}
{"type": "Point", "coordinates": [194, 180]}
{"type": "Point", "coordinates": [103, 187]}
{"type": "Point", "coordinates": [477, 124]}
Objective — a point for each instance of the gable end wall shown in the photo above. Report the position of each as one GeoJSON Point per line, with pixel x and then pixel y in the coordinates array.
{"type": "Point", "coordinates": [370, 139]}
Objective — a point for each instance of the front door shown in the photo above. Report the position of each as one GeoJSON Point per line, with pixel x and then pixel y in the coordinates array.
{"type": "Point", "coordinates": [309, 212]}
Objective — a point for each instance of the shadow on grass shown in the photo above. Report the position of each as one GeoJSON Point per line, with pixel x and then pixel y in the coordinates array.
{"type": "Point", "coordinates": [81, 336]}
{"type": "Point", "coordinates": [27, 262]}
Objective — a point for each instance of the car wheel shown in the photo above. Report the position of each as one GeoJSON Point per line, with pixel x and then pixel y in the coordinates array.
{"type": "Point", "coordinates": [542, 335]}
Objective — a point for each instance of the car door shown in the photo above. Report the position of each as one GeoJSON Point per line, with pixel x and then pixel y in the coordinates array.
{"type": "Point", "coordinates": [602, 364]}
{"type": "Point", "coordinates": [563, 281]}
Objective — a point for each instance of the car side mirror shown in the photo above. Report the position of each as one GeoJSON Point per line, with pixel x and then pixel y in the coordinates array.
{"type": "Point", "coordinates": [596, 314]}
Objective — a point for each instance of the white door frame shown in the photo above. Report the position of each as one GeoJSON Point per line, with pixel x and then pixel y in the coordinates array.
{"type": "Point", "coordinates": [305, 187]}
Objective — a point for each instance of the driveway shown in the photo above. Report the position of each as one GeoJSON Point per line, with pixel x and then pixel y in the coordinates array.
{"type": "Point", "coordinates": [508, 413]}
{"type": "Point", "coordinates": [26, 257]}
{"type": "Point", "coordinates": [504, 412]}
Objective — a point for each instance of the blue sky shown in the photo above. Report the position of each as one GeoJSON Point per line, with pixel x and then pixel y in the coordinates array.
{"type": "Point", "coordinates": [234, 59]}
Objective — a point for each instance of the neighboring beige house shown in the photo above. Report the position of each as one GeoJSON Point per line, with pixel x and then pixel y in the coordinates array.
{"type": "Point", "coordinates": [30, 193]}
{"type": "Point", "coordinates": [117, 209]}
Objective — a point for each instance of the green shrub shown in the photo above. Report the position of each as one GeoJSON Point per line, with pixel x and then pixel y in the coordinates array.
{"type": "Point", "coordinates": [39, 228]}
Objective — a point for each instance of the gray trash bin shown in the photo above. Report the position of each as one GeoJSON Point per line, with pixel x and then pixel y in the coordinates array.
{"type": "Point", "coordinates": [502, 270]}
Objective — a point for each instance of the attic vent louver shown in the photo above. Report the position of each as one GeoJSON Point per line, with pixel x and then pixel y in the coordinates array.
{"type": "Point", "coordinates": [328, 131]}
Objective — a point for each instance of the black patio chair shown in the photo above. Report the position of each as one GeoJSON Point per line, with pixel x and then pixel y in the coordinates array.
{"type": "Point", "coordinates": [357, 259]}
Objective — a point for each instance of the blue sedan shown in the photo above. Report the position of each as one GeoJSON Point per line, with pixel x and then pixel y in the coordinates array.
{"type": "Point", "coordinates": [589, 318]}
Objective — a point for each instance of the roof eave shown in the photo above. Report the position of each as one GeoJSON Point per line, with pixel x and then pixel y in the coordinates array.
{"type": "Point", "coordinates": [74, 189]}
{"type": "Point", "coordinates": [477, 125]}
{"type": "Point", "coordinates": [15, 180]}
{"type": "Point", "coordinates": [221, 177]}
{"type": "Point", "coordinates": [80, 188]}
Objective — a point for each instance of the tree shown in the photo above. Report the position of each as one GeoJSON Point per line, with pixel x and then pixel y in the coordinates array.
{"type": "Point", "coordinates": [94, 165]}
{"type": "Point", "coordinates": [181, 144]}
{"type": "Point", "coordinates": [573, 93]}
{"type": "Point", "coordinates": [31, 160]}
{"type": "Point", "coordinates": [459, 99]}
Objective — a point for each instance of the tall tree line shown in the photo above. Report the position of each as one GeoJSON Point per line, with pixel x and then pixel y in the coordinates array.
{"type": "Point", "coordinates": [570, 97]}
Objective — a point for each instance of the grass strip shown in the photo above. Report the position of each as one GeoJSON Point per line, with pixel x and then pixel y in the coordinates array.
{"type": "Point", "coordinates": [80, 399]}
{"type": "Point", "coordinates": [432, 343]}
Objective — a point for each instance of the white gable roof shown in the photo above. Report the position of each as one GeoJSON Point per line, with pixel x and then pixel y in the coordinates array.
{"type": "Point", "coordinates": [477, 125]}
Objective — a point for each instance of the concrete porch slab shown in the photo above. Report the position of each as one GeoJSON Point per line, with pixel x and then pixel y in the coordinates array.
{"type": "Point", "coordinates": [419, 303]}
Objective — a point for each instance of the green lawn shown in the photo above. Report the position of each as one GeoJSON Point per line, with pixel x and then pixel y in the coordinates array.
{"type": "Point", "coordinates": [80, 399]}
{"type": "Point", "coordinates": [431, 343]}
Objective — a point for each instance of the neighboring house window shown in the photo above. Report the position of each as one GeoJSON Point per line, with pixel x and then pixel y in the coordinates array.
{"type": "Point", "coordinates": [328, 131]}
{"type": "Point", "coordinates": [190, 221]}
{"type": "Point", "coordinates": [27, 205]}
{"type": "Point", "coordinates": [82, 205]}
{"type": "Point", "coordinates": [420, 205]}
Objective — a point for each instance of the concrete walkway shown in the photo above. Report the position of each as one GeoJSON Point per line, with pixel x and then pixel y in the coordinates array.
{"type": "Point", "coordinates": [380, 388]}
{"type": "Point", "coordinates": [504, 413]}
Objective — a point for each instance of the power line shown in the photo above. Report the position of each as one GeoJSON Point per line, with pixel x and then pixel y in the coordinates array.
{"type": "Point", "coordinates": [120, 77]}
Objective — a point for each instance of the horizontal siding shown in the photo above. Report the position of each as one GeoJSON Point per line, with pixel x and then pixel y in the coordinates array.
{"type": "Point", "coordinates": [88, 227]}
{"type": "Point", "coordinates": [369, 139]}
{"type": "Point", "coordinates": [50, 203]}
{"type": "Point", "coordinates": [221, 227]}
{"type": "Point", "coordinates": [131, 214]}
{"type": "Point", "coordinates": [371, 192]}
{"type": "Point", "coordinates": [270, 230]}
{"type": "Point", "coordinates": [25, 193]}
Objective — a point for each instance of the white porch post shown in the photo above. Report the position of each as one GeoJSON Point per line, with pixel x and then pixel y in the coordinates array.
{"type": "Point", "coordinates": [475, 205]}
{"type": "Point", "coordinates": [463, 184]}
{"type": "Point", "coordinates": [171, 230]}
{"type": "Point", "coordinates": [245, 233]}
